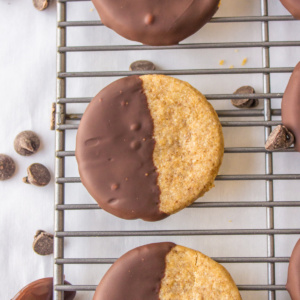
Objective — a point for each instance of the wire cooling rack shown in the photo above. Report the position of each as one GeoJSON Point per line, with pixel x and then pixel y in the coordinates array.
{"type": "Point", "coordinates": [261, 119]}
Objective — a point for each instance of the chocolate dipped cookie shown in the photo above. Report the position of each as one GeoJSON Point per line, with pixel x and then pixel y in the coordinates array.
{"type": "Point", "coordinates": [156, 22]}
{"type": "Point", "coordinates": [290, 106]}
{"type": "Point", "coordinates": [293, 280]}
{"type": "Point", "coordinates": [41, 289]}
{"type": "Point", "coordinates": [148, 146]}
{"type": "Point", "coordinates": [293, 6]}
{"type": "Point", "coordinates": [165, 271]}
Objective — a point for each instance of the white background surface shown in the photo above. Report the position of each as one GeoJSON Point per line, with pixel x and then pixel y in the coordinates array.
{"type": "Point", "coordinates": [27, 89]}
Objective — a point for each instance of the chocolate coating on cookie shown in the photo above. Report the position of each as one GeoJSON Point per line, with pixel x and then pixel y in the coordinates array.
{"type": "Point", "coordinates": [156, 22]}
{"type": "Point", "coordinates": [293, 6]}
{"type": "Point", "coordinates": [135, 275]}
{"type": "Point", "coordinates": [114, 151]}
{"type": "Point", "coordinates": [42, 289]}
{"type": "Point", "coordinates": [290, 107]}
{"type": "Point", "coordinates": [293, 280]}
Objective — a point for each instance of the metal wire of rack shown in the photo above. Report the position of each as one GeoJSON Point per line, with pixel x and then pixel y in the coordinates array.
{"type": "Point", "coordinates": [62, 126]}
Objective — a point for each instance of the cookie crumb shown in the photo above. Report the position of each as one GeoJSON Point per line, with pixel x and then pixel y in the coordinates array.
{"type": "Point", "coordinates": [245, 60]}
{"type": "Point", "coordinates": [236, 50]}
{"type": "Point", "coordinates": [52, 118]}
{"type": "Point", "coordinates": [91, 9]}
{"type": "Point", "coordinates": [231, 67]}
{"type": "Point", "coordinates": [221, 62]}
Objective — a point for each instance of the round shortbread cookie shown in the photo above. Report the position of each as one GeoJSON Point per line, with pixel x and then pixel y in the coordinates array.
{"type": "Point", "coordinates": [156, 22]}
{"type": "Point", "coordinates": [148, 146]}
{"type": "Point", "coordinates": [165, 271]}
{"type": "Point", "coordinates": [41, 289]}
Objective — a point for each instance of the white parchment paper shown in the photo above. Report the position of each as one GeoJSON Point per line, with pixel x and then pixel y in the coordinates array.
{"type": "Point", "coordinates": [27, 89]}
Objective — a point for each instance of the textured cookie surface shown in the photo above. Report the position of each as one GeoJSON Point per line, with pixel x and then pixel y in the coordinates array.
{"type": "Point", "coordinates": [191, 275]}
{"type": "Point", "coordinates": [188, 141]}
{"type": "Point", "coordinates": [156, 22]}
{"type": "Point", "coordinates": [148, 146]}
{"type": "Point", "coordinates": [165, 271]}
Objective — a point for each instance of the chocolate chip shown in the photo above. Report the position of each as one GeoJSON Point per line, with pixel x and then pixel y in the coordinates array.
{"type": "Point", "coordinates": [280, 138]}
{"type": "Point", "coordinates": [26, 143]}
{"type": "Point", "coordinates": [37, 174]}
{"type": "Point", "coordinates": [40, 4]}
{"type": "Point", "coordinates": [247, 102]}
{"type": "Point", "coordinates": [142, 65]}
{"type": "Point", "coordinates": [43, 243]}
{"type": "Point", "coordinates": [7, 167]}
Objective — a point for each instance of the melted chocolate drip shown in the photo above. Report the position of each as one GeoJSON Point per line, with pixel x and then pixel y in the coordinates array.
{"type": "Point", "coordinates": [290, 107]}
{"type": "Point", "coordinates": [156, 22]}
{"type": "Point", "coordinates": [293, 281]}
{"type": "Point", "coordinates": [293, 6]}
{"type": "Point", "coordinates": [114, 150]}
{"type": "Point", "coordinates": [135, 275]}
{"type": "Point", "coordinates": [41, 289]}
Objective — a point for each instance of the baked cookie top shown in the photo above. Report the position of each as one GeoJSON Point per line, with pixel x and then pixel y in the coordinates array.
{"type": "Point", "coordinates": [148, 146]}
{"type": "Point", "coordinates": [165, 271]}
{"type": "Point", "coordinates": [156, 22]}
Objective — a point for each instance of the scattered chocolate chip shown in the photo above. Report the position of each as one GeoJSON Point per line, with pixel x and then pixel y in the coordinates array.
{"type": "Point", "coordinates": [142, 65]}
{"type": "Point", "coordinates": [40, 4]}
{"type": "Point", "coordinates": [7, 167]}
{"type": "Point", "coordinates": [37, 174]}
{"type": "Point", "coordinates": [244, 103]}
{"type": "Point", "coordinates": [280, 138]}
{"type": "Point", "coordinates": [26, 143]}
{"type": "Point", "coordinates": [52, 121]}
{"type": "Point", "coordinates": [43, 243]}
